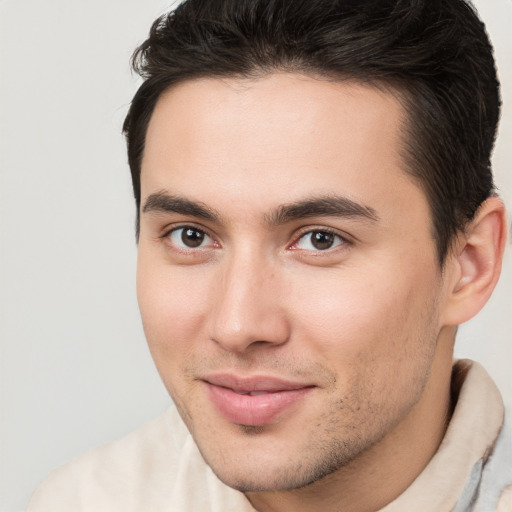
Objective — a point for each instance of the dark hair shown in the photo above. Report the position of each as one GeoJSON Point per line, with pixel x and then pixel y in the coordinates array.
{"type": "Point", "coordinates": [434, 53]}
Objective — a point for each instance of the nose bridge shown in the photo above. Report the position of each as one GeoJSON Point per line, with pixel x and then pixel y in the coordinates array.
{"type": "Point", "coordinates": [248, 307]}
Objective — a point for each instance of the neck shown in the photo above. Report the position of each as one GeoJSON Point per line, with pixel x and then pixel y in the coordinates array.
{"type": "Point", "coordinates": [388, 468]}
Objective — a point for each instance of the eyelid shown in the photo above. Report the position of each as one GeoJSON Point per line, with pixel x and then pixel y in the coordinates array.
{"type": "Point", "coordinates": [170, 228]}
{"type": "Point", "coordinates": [173, 226]}
{"type": "Point", "coordinates": [345, 238]}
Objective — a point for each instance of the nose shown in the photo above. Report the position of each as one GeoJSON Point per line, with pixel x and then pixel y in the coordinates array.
{"type": "Point", "coordinates": [249, 306]}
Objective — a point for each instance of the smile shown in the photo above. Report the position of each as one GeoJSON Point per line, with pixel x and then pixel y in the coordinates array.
{"type": "Point", "coordinates": [253, 401]}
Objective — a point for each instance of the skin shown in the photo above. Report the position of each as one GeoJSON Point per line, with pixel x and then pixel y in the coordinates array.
{"type": "Point", "coordinates": [368, 323]}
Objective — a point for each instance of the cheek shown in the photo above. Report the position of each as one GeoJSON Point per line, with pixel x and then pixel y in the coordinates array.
{"type": "Point", "coordinates": [377, 337]}
{"type": "Point", "coordinates": [173, 304]}
{"type": "Point", "coordinates": [352, 317]}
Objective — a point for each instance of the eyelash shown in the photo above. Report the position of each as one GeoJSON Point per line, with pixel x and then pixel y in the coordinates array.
{"type": "Point", "coordinates": [168, 233]}
{"type": "Point", "coordinates": [343, 239]}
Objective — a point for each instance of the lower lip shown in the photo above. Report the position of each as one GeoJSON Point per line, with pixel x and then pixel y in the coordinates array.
{"type": "Point", "coordinates": [255, 410]}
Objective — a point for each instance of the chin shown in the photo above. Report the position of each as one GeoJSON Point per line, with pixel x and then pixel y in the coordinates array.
{"type": "Point", "coordinates": [263, 482]}
{"type": "Point", "coordinates": [248, 474]}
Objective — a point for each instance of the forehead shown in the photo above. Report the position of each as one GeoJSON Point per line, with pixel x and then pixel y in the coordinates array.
{"type": "Point", "coordinates": [274, 140]}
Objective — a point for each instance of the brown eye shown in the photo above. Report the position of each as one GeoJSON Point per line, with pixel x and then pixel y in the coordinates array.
{"type": "Point", "coordinates": [189, 237]}
{"type": "Point", "coordinates": [322, 240]}
{"type": "Point", "coordinates": [192, 237]}
{"type": "Point", "coordinates": [319, 240]}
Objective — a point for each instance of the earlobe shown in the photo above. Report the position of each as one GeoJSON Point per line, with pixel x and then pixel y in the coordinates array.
{"type": "Point", "coordinates": [476, 262]}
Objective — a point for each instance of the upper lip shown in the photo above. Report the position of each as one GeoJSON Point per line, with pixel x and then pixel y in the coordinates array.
{"type": "Point", "coordinates": [253, 383]}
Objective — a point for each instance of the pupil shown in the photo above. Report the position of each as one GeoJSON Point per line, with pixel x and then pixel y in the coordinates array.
{"type": "Point", "coordinates": [192, 237]}
{"type": "Point", "coordinates": [322, 240]}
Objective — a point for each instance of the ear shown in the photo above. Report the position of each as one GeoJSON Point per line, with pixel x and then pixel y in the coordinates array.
{"type": "Point", "coordinates": [474, 265]}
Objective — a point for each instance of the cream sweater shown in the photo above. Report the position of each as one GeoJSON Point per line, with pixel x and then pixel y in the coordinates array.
{"type": "Point", "coordinates": [158, 467]}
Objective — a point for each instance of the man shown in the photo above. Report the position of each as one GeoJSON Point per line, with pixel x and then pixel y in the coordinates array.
{"type": "Point", "coordinates": [316, 216]}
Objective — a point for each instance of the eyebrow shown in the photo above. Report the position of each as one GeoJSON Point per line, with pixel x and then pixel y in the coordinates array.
{"type": "Point", "coordinates": [165, 203]}
{"type": "Point", "coordinates": [330, 206]}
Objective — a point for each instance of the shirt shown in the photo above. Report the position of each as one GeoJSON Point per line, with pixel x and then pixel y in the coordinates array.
{"type": "Point", "coordinates": [158, 468]}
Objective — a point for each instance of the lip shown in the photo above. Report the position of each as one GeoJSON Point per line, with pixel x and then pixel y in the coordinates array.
{"type": "Point", "coordinates": [231, 396]}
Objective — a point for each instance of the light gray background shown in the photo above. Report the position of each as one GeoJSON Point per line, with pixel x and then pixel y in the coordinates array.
{"type": "Point", "coordinates": [75, 370]}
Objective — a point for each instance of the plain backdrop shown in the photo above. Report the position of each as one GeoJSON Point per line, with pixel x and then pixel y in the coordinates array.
{"type": "Point", "coordinates": [75, 370]}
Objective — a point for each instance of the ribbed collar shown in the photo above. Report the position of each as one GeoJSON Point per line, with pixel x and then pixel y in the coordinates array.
{"type": "Point", "coordinates": [470, 437]}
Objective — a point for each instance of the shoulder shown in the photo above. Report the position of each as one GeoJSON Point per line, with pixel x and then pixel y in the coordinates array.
{"type": "Point", "coordinates": [158, 467]}
{"type": "Point", "coordinates": [113, 476]}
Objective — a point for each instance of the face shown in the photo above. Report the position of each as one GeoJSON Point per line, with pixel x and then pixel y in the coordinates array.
{"type": "Point", "coordinates": [287, 275]}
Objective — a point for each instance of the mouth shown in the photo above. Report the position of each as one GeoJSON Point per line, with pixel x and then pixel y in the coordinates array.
{"type": "Point", "coordinates": [254, 401]}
